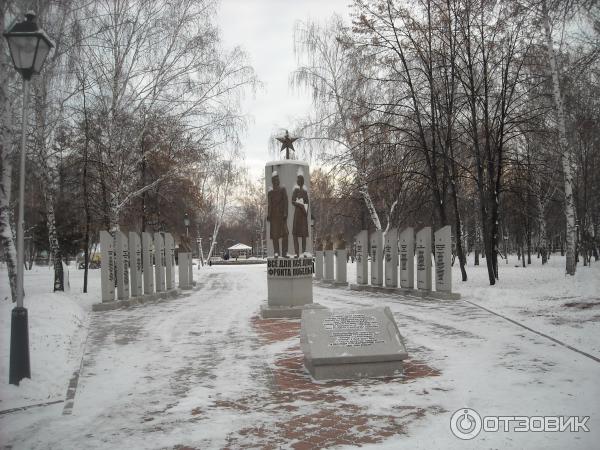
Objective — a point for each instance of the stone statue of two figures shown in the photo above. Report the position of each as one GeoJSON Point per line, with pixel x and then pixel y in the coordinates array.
{"type": "Point", "coordinates": [277, 213]}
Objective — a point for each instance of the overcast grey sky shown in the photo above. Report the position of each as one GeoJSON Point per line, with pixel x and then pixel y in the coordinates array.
{"type": "Point", "coordinates": [264, 28]}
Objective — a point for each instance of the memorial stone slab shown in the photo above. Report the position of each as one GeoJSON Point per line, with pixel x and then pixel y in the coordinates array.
{"type": "Point", "coordinates": [159, 262]}
{"type": "Point", "coordinates": [391, 258]}
{"type": "Point", "coordinates": [147, 265]}
{"type": "Point", "coordinates": [328, 274]}
{"type": "Point", "coordinates": [407, 258]}
{"type": "Point", "coordinates": [135, 250]}
{"type": "Point", "coordinates": [319, 264]}
{"type": "Point", "coordinates": [377, 258]}
{"type": "Point", "coordinates": [350, 344]}
{"type": "Point", "coordinates": [341, 264]}
{"type": "Point", "coordinates": [107, 263]}
{"type": "Point", "coordinates": [424, 259]}
{"type": "Point", "coordinates": [184, 265]}
{"type": "Point", "coordinates": [443, 259]}
{"type": "Point", "coordinates": [169, 261]}
{"type": "Point", "coordinates": [362, 257]}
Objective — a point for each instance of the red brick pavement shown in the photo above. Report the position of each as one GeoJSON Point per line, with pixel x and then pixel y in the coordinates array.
{"type": "Point", "coordinates": [310, 415]}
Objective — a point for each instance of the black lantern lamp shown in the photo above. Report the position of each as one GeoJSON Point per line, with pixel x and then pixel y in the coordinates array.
{"type": "Point", "coordinates": [29, 46]}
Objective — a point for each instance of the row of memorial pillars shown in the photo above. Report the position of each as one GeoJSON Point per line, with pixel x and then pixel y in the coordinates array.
{"type": "Point", "coordinates": [331, 266]}
{"type": "Point", "coordinates": [399, 252]}
{"type": "Point", "coordinates": [124, 259]}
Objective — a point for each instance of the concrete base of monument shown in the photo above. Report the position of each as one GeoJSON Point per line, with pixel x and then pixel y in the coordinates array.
{"type": "Point", "coordinates": [289, 287]}
{"type": "Point", "coordinates": [286, 312]}
{"type": "Point", "coordinates": [404, 291]}
{"type": "Point", "coordinates": [117, 304]}
{"type": "Point", "coordinates": [354, 371]}
{"type": "Point", "coordinates": [133, 301]}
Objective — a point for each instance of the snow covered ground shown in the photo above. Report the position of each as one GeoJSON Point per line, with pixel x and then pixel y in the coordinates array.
{"type": "Point", "coordinates": [203, 371]}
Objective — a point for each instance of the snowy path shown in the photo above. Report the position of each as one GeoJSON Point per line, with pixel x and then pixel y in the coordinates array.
{"type": "Point", "coordinates": [202, 371]}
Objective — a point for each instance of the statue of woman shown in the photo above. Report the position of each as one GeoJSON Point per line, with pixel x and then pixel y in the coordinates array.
{"type": "Point", "coordinates": [300, 226]}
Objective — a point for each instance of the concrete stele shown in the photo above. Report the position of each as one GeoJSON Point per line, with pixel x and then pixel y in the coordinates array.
{"type": "Point", "coordinates": [391, 258]}
{"type": "Point", "coordinates": [443, 259]}
{"type": "Point", "coordinates": [122, 264]}
{"type": "Point", "coordinates": [184, 269]}
{"type": "Point", "coordinates": [341, 264]}
{"type": "Point", "coordinates": [377, 258]}
{"type": "Point", "coordinates": [328, 274]}
{"type": "Point", "coordinates": [159, 261]}
{"type": "Point", "coordinates": [362, 257]}
{"type": "Point", "coordinates": [107, 262]}
{"type": "Point", "coordinates": [407, 258]}
{"type": "Point", "coordinates": [319, 264]}
{"type": "Point", "coordinates": [169, 261]}
{"type": "Point", "coordinates": [147, 266]}
{"type": "Point", "coordinates": [424, 259]}
{"type": "Point", "coordinates": [135, 250]}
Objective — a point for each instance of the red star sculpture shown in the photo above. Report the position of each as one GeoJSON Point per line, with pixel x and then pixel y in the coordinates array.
{"type": "Point", "coordinates": [287, 144]}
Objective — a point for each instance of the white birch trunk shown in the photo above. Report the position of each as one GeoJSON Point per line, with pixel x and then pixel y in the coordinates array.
{"type": "Point", "coordinates": [364, 191]}
{"type": "Point", "coordinates": [571, 263]}
{"type": "Point", "coordinates": [7, 241]}
{"type": "Point", "coordinates": [7, 238]}
{"type": "Point", "coordinates": [59, 284]}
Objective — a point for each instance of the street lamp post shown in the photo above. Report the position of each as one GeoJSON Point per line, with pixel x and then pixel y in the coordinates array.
{"type": "Point", "coordinates": [29, 46]}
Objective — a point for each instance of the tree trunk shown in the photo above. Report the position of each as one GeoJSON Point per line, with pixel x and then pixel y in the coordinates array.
{"type": "Point", "coordinates": [459, 248]}
{"type": "Point", "coordinates": [7, 240]}
{"type": "Point", "coordinates": [543, 232]}
{"type": "Point", "coordinates": [55, 253]}
{"type": "Point", "coordinates": [59, 280]}
{"type": "Point", "coordinates": [476, 246]}
{"type": "Point", "coordinates": [571, 263]}
{"type": "Point", "coordinates": [6, 234]}
{"type": "Point", "coordinates": [364, 191]}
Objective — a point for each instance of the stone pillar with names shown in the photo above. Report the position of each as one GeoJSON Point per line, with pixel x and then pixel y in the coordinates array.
{"type": "Point", "coordinates": [424, 259]}
{"type": "Point", "coordinates": [362, 257]}
{"type": "Point", "coordinates": [169, 261]}
{"type": "Point", "coordinates": [328, 274]}
{"type": "Point", "coordinates": [184, 269]}
{"type": "Point", "coordinates": [377, 258]}
{"type": "Point", "coordinates": [391, 258]}
{"type": "Point", "coordinates": [159, 261]}
{"type": "Point", "coordinates": [341, 266]}
{"type": "Point", "coordinates": [122, 264]}
{"type": "Point", "coordinates": [407, 258]}
{"type": "Point", "coordinates": [443, 259]}
{"type": "Point", "coordinates": [107, 266]}
{"type": "Point", "coordinates": [147, 265]}
{"type": "Point", "coordinates": [135, 251]}
{"type": "Point", "coordinates": [319, 257]}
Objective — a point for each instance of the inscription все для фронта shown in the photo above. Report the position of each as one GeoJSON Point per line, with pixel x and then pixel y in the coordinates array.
{"type": "Point", "coordinates": [352, 330]}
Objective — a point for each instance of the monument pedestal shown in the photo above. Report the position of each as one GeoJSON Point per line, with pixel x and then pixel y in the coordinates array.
{"type": "Point", "coordinates": [289, 285]}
